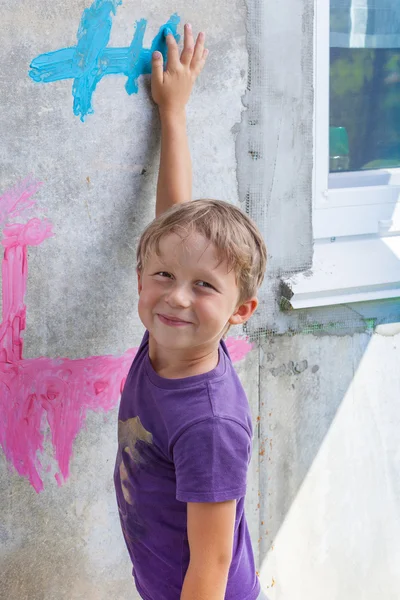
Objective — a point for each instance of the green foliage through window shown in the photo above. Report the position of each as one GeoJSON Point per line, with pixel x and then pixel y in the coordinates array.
{"type": "Point", "coordinates": [365, 100]}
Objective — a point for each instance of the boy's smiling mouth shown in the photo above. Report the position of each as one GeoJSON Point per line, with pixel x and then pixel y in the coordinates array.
{"type": "Point", "coordinates": [172, 321]}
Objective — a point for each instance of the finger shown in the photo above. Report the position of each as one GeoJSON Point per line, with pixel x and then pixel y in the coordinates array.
{"type": "Point", "coordinates": [173, 52]}
{"type": "Point", "coordinates": [200, 65]}
{"type": "Point", "coordinates": [157, 70]}
{"type": "Point", "coordinates": [198, 50]}
{"type": "Point", "coordinates": [188, 46]}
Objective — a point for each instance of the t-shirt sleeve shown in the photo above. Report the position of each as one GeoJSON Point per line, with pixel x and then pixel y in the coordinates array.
{"type": "Point", "coordinates": [211, 460]}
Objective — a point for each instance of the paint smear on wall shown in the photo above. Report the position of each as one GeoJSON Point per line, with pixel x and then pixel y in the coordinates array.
{"type": "Point", "coordinates": [91, 60]}
{"type": "Point", "coordinates": [60, 391]}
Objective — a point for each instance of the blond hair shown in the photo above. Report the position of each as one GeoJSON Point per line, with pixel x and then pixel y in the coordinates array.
{"type": "Point", "coordinates": [235, 236]}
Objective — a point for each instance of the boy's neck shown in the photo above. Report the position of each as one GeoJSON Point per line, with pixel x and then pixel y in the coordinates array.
{"type": "Point", "coordinates": [182, 363]}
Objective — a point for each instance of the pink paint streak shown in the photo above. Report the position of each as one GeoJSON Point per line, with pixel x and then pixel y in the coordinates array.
{"type": "Point", "coordinates": [238, 348]}
{"type": "Point", "coordinates": [59, 390]}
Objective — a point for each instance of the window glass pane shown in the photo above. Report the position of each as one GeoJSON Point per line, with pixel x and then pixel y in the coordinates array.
{"type": "Point", "coordinates": [364, 99]}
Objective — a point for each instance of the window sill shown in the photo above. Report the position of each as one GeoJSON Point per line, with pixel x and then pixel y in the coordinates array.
{"type": "Point", "coordinates": [346, 271]}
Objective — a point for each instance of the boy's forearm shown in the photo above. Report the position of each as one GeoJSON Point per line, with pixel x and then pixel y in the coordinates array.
{"type": "Point", "coordinates": [205, 584]}
{"type": "Point", "coordinates": [175, 175]}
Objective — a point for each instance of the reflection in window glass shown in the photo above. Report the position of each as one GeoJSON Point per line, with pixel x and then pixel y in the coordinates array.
{"type": "Point", "coordinates": [364, 109]}
{"type": "Point", "coordinates": [364, 85]}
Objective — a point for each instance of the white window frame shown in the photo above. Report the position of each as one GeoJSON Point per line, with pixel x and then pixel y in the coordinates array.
{"type": "Point", "coordinates": [356, 216]}
{"type": "Point", "coordinates": [345, 204]}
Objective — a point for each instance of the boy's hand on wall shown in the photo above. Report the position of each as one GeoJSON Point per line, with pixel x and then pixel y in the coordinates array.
{"type": "Point", "coordinates": [171, 88]}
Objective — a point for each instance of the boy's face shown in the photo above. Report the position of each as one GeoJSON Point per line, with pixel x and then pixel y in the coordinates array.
{"type": "Point", "coordinates": [187, 284]}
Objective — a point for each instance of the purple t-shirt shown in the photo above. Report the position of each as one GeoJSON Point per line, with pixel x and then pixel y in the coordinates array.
{"type": "Point", "coordinates": [181, 440]}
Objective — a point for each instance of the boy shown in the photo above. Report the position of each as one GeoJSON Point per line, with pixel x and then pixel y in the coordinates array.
{"type": "Point", "coordinates": [184, 429]}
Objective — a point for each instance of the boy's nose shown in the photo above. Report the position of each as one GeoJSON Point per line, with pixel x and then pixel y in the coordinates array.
{"type": "Point", "coordinates": [179, 296]}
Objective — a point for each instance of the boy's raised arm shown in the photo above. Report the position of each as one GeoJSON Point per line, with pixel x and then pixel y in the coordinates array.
{"type": "Point", "coordinates": [171, 90]}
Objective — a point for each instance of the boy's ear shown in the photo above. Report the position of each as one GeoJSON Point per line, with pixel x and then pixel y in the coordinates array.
{"type": "Point", "coordinates": [139, 280]}
{"type": "Point", "coordinates": [244, 311]}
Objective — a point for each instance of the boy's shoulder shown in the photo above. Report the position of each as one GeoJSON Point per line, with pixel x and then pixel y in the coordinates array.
{"type": "Point", "coordinates": [171, 406]}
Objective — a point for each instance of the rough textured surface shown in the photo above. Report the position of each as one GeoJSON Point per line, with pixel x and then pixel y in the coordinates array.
{"type": "Point", "coordinates": [95, 193]}
{"type": "Point", "coordinates": [65, 542]}
{"type": "Point", "coordinates": [99, 192]}
{"type": "Point", "coordinates": [329, 441]}
{"type": "Point", "coordinates": [275, 143]}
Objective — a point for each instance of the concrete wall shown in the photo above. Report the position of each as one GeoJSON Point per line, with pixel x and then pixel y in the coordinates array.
{"type": "Point", "coordinates": [329, 470]}
{"type": "Point", "coordinates": [98, 193]}
{"type": "Point", "coordinates": [324, 488]}
{"type": "Point", "coordinates": [329, 481]}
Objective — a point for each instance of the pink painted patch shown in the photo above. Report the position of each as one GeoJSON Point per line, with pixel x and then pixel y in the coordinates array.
{"type": "Point", "coordinates": [59, 390]}
{"type": "Point", "coordinates": [238, 348]}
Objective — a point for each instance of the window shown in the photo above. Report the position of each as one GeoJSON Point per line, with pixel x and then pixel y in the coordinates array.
{"type": "Point", "coordinates": [356, 204]}
{"type": "Point", "coordinates": [357, 122]}
{"type": "Point", "coordinates": [364, 115]}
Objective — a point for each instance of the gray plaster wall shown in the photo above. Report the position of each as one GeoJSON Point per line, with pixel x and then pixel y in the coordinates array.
{"type": "Point", "coordinates": [328, 408]}
{"type": "Point", "coordinates": [323, 491]}
{"type": "Point", "coordinates": [329, 466]}
{"type": "Point", "coordinates": [99, 180]}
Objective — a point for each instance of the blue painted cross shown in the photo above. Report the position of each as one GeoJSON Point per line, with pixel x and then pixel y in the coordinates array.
{"type": "Point", "coordinates": [90, 60]}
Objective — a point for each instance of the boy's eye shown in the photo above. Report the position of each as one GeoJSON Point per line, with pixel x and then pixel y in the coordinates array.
{"type": "Point", "coordinates": [201, 283]}
{"type": "Point", "coordinates": [205, 284]}
{"type": "Point", "coordinates": [164, 274]}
